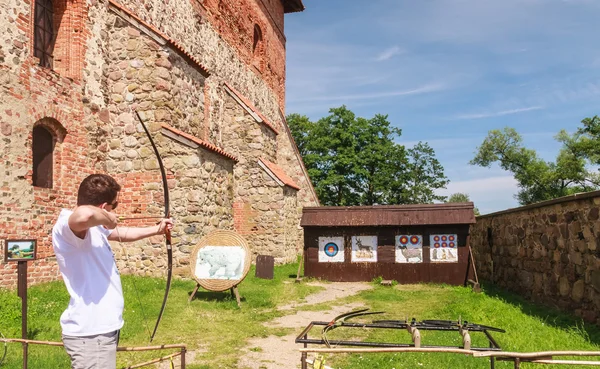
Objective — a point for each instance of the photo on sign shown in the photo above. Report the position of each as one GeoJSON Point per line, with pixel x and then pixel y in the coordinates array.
{"type": "Point", "coordinates": [443, 248]}
{"type": "Point", "coordinates": [220, 262]}
{"type": "Point", "coordinates": [331, 249]}
{"type": "Point", "coordinates": [18, 250]}
{"type": "Point", "coordinates": [409, 248]}
{"type": "Point", "coordinates": [364, 248]}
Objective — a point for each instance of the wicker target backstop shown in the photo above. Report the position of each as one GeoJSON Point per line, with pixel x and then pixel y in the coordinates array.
{"type": "Point", "coordinates": [220, 238]}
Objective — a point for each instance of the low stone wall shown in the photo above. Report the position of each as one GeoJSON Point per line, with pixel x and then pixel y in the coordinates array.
{"type": "Point", "coordinates": [547, 252]}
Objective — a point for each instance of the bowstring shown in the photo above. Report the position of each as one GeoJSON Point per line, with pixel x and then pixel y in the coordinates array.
{"type": "Point", "coordinates": [137, 292]}
{"type": "Point", "coordinates": [5, 349]}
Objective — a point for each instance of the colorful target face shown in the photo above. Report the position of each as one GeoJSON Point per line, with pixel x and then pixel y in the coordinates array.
{"type": "Point", "coordinates": [331, 249]}
{"type": "Point", "coordinates": [443, 248]}
{"type": "Point", "coordinates": [409, 249]}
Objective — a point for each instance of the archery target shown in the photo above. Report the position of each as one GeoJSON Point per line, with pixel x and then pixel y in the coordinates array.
{"type": "Point", "coordinates": [364, 248]}
{"type": "Point", "coordinates": [443, 248]}
{"type": "Point", "coordinates": [331, 249]}
{"type": "Point", "coordinates": [409, 249]}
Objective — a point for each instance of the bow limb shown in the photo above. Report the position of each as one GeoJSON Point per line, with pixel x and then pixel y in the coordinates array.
{"type": "Point", "coordinates": [339, 320]}
{"type": "Point", "coordinates": [167, 231]}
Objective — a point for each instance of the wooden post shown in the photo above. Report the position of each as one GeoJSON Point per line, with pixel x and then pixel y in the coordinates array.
{"type": "Point", "coordinates": [22, 293]}
{"type": "Point", "coordinates": [194, 292]}
{"type": "Point", "coordinates": [236, 293]}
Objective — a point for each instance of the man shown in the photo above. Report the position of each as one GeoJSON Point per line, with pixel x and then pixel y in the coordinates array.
{"type": "Point", "coordinates": [91, 323]}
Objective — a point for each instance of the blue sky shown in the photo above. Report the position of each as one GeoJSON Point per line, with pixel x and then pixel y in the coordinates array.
{"type": "Point", "coordinates": [448, 71]}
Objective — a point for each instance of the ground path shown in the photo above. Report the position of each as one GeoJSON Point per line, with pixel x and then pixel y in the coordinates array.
{"type": "Point", "coordinates": [275, 352]}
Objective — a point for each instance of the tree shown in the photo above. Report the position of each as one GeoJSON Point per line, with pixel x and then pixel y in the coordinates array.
{"type": "Point", "coordinates": [586, 141]}
{"type": "Point", "coordinates": [539, 180]}
{"type": "Point", "coordinates": [462, 197]}
{"type": "Point", "coordinates": [425, 174]}
{"type": "Point", "coordinates": [355, 161]}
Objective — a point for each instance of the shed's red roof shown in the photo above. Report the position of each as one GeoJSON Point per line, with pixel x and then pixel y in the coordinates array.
{"type": "Point", "coordinates": [388, 215]}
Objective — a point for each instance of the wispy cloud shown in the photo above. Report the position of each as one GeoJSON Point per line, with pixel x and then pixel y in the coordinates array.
{"type": "Point", "coordinates": [497, 113]}
{"type": "Point", "coordinates": [488, 194]}
{"type": "Point", "coordinates": [388, 53]}
{"type": "Point", "coordinates": [433, 87]}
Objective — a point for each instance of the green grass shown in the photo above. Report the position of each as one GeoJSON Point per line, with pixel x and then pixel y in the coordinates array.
{"type": "Point", "coordinates": [214, 326]}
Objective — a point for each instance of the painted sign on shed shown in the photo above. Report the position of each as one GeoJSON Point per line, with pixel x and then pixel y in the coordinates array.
{"type": "Point", "coordinates": [406, 243]}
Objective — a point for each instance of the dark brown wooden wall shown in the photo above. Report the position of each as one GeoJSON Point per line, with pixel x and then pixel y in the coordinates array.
{"type": "Point", "coordinates": [386, 266]}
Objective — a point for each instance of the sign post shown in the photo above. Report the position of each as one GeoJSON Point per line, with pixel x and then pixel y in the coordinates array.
{"type": "Point", "coordinates": [21, 251]}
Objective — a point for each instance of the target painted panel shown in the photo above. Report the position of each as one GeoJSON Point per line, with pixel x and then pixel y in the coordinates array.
{"type": "Point", "coordinates": [443, 248]}
{"type": "Point", "coordinates": [364, 248]}
{"type": "Point", "coordinates": [331, 249]}
{"type": "Point", "coordinates": [409, 248]}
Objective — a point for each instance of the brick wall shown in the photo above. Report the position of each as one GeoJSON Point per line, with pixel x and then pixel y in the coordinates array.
{"type": "Point", "coordinates": [547, 252]}
{"type": "Point", "coordinates": [112, 57]}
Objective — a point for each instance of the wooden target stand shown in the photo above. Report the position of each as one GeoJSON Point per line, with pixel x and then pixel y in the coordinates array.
{"type": "Point", "coordinates": [220, 262]}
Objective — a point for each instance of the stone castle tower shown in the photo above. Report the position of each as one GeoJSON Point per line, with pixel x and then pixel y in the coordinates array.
{"type": "Point", "coordinates": [209, 77]}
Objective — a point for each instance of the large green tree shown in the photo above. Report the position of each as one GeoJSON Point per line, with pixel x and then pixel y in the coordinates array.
{"type": "Point", "coordinates": [355, 161]}
{"type": "Point", "coordinates": [538, 179]}
{"type": "Point", "coordinates": [462, 197]}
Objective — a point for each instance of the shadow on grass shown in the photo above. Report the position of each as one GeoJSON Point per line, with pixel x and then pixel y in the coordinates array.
{"type": "Point", "coordinates": [215, 296]}
{"type": "Point", "coordinates": [552, 316]}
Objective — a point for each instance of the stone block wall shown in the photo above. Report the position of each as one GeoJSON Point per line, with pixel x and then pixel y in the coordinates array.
{"type": "Point", "coordinates": [262, 205]}
{"type": "Point", "coordinates": [547, 252]}
{"type": "Point", "coordinates": [169, 61]}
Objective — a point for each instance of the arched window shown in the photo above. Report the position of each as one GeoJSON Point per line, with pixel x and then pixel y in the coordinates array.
{"type": "Point", "coordinates": [43, 156]}
{"type": "Point", "coordinates": [257, 44]}
{"type": "Point", "coordinates": [43, 42]}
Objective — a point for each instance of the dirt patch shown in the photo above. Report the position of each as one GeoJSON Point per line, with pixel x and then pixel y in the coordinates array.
{"type": "Point", "coordinates": [275, 352]}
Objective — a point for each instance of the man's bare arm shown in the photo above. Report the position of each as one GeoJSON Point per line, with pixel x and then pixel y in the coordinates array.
{"type": "Point", "coordinates": [86, 216]}
{"type": "Point", "coordinates": [130, 234]}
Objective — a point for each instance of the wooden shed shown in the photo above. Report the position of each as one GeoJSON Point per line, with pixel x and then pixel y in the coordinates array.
{"type": "Point", "coordinates": [406, 243]}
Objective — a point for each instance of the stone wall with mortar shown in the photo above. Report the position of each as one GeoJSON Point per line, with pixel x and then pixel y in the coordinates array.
{"type": "Point", "coordinates": [116, 62]}
{"type": "Point", "coordinates": [261, 204]}
{"type": "Point", "coordinates": [547, 252]}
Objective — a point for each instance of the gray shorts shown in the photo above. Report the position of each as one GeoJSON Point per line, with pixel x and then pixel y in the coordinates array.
{"type": "Point", "coordinates": [93, 352]}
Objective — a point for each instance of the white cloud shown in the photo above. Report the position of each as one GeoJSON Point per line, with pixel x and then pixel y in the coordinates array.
{"type": "Point", "coordinates": [498, 113]}
{"type": "Point", "coordinates": [433, 87]}
{"type": "Point", "coordinates": [388, 53]}
{"type": "Point", "coordinates": [489, 194]}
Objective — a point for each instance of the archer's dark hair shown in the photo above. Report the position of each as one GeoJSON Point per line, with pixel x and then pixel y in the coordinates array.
{"type": "Point", "coordinates": [97, 189]}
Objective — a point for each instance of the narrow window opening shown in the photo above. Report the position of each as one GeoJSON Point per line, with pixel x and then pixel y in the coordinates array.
{"type": "Point", "coordinates": [43, 43]}
{"type": "Point", "coordinates": [257, 44]}
{"type": "Point", "coordinates": [43, 155]}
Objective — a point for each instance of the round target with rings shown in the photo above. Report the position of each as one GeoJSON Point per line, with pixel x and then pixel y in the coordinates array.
{"type": "Point", "coordinates": [414, 240]}
{"type": "Point", "coordinates": [404, 240]}
{"type": "Point", "coordinates": [331, 249]}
